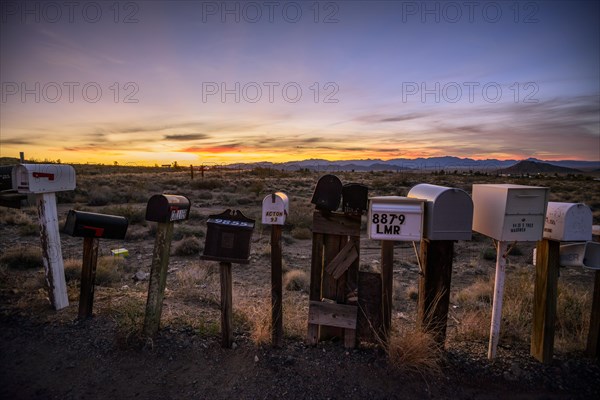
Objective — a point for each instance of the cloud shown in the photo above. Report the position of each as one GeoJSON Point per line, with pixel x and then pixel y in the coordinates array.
{"type": "Point", "coordinates": [185, 137]}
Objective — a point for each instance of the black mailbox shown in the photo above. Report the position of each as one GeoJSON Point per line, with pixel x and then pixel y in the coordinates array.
{"type": "Point", "coordinates": [88, 224]}
{"type": "Point", "coordinates": [328, 193]}
{"type": "Point", "coordinates": [6, 177]}
{"type": "Point", "coordinates": [228, 237]}
{"type": "Point", "coordinates": [355, 198]}
{"type": "Point", "coordinates": [9, 197]}
{"type": "Point", "coordinates": [167, 208]}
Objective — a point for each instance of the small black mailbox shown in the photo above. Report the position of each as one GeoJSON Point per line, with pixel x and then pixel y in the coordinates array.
{"type": "Point", "coordinates": [328, 193]}
{"type": "Point", "coordinates": [9, 197]}
{"type": "Point", "coordinates": [167, 208]}
{"type": "Point", "coordinates": [355, 198]}
{"type": "Point", "coordinates": [6, 177]}
{"type": "Point", "coordinates": [228, 237]}
{"type": "Point", "coordinates": [88, 224]}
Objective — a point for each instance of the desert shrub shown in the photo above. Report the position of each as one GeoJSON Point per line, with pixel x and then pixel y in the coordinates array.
{"type": "Point", "coordinates": [204, 195]}
{"type": "Point", "coordinates": [29, 229]}
{"type": "Point", "coordinates": [301, 233]}
{"type": "Point", "coordinates": [22, 257]}
{"type": "Point", "coordinates": [102, 195]}
{"type": "Point", "coordinates": [188, 247]}
{"type": "Point", "coordinates": [206, 184]}
{"type": "Point", "coordinates": [515, 251]}
{"type": "Point", "coordinates": [489, 254]}
{"type": "Point", "coordinates": [572, 318]}
{"type": "Point", "coordinates": [14, 217]}
{"type": "Point", "coordinates": [72, 269]}
{"type": "Point", "coordinates": [256, 317]}
{"type": "Point", "coordinates": [414, 351]}
{"type": "Point", "coordinates": [134, 215]}
{"type": "Point", "coordinates": [182, 231]}
{"type": "Point", "coordinates": [296, 280]}
{"type": "Point", "coordinates": [107, 270]}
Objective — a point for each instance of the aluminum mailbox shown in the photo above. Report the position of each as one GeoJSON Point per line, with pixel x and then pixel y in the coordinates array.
{"type": "Point", "coordinates": [395, 218]}
{"type": "Point", "coordinates": [448, 212]}
{"type": "Point", "coordinates": [167, 208]}
{"type": "Point", "coordinates": [568, 222]}
{"type": "Point", "coordinates": [43, 178]}
{"type": "Point", "coordinates": [275, 209]}
{"type": "Point", "coordinates": [509, 212]}
{"type": "Point", "coordinates": [328, 193]}
{"type": "Point", "coordinates": [228, 237]}
{"type": "Point", "coordinates": [89, 224]}
{"type": "Point", "coordinates": [355, 198]}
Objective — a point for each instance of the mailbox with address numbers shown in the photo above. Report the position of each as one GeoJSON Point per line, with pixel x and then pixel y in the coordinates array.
{"type": "Point", "coordinates": [395, 218]}
{"type": "Point", "coordinates": [275, 209]}
{"type": "Point", "coordinates": [167, 208]}
{"type": "Point", "coordinates": [568, 222]}
{"type": "Point", "coordinates": [89, 224]}
{"type": "Point", "coordinates": [43, 178]}
{"type": "Point", "coordinates": [228, 237]}
{"type": "Point", "coordinates": [355, 198]}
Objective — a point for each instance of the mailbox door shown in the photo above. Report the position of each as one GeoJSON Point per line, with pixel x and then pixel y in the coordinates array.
{"type": "Point", "coordinates": [526, 201]}
{"type": "Point", "coordinates": [568, 222]}
{"type": "Point", "coordinates": [6, 177]}
{"type": "Point", "coordinates": [450, 216]}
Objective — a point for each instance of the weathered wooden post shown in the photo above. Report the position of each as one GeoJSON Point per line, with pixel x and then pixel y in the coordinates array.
{"type": "Point", "coordinates": [191, 172]}
{"type": "Point", "coordinates": [392, 219]}
{"type": "Point", "coordinates": [44, 180]}
{"type": "Point", "coordinates": [509, 214]}
{"type": "Point", "coordinates": [275, 208]}
{"type": "Point", "coordinates": [448, 217]}
{"type": "Point", "coordinates": [228, 241]}
{"type": "Point", "coordinates": [164, 209]}
{"type": "Point", "coordinates": [91, 227]}
{"type": "Point", "coordinates": [593, 340]}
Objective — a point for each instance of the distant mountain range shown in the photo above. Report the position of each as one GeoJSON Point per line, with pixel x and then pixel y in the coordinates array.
{"type": "Point", "coordinates": [447, 163]}
{"type": "Point", "coordinates": [533, 167]}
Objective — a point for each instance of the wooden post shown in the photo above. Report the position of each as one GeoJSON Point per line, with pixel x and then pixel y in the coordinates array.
{"type": "Point", "coordinates": [544, 300]}
{"type": "Point", "coordinates": [315, 282]}
{"type": "Point", "coordinates": [498, 295]}
{"type": "Point", "coordinates": [192, 171]}
{"type": "Point", "coordinates": [88, 276]}
{"type": "Point", "coordinates": [202, 171]}
{"type": "Point", "coordinates": [158, 278]}
{"type": "Point", "coordinates": [387, 285]}
{"type": "Point", "coordinates": [51, 250]}
{"type": "Point", "coordinates": [593, 339]}
{"type": "Point", "coordinates": [226, 305]}
{"type": "Point", "coordinates": [22, 157]}
{"type": "Point", "coordinates": [434, 287]}
{"type": "Point", "coordinates": [276, 287]}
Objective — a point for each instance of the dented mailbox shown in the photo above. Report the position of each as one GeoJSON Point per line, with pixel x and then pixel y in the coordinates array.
{"type": "Point", "coordinates": [43, 178]}
{"type": "Point", "coordinates": [568, 222]}
{"type": "Point", "coordinates": [275, 209]}
{"type": "Point", "coordinates": [509, 212]}
{"type": "Point", "coordinates": [395, 218]}
{"type": "Point", "coordinates": [167, 208]}
{"type": "Point", "coordinates": [88, 224]}
{"type": "Point", "coordinates": [355, 198]}
{"type": "Point", "coordinates": [328, 193]}
{"type": "Point", "coordinates": [448, 212]}
{"type": "Point", "coordinates": [228, 237]}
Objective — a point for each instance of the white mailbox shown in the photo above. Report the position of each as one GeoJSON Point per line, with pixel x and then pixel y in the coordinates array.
{"type": "Point", "coordinates": [568, 222]}
{"type": "Point", "coordinates": [448, 212]}
{"type": "Point", "coordinates": [395, 218]}
{"type": "Point", "coordinates": [509, 212]}
{"type": "Point", "coordinates": [43, 178]}
{"type": "Point", "coordinates": [275, 208]}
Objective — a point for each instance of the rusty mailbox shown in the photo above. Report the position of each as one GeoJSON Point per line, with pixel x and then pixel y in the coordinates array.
{"type": "Point", "coordinates": [448, 212]}
{"type": "Point", "coordinates": [355, 198]}
{"type": "Point", "coordinates": [275, 209]}
{"type": "Point", "coordinates": [328, 193]}
{"type": "Point", "coordinates": [228, 237]}
{"type": "Point", "coordinates": [43, 178]}
{"type": "Point", "coordinates": [167, 208]}
{"type": "Point", "coordinates": [568, 222]}
{"type": "Point", "coordinates": [89, 224]}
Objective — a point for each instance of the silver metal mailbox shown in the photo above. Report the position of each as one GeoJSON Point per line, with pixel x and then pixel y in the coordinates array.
{"type": "Point", "coordinates": [395, 218]}
{"type": "Point", "coordinates": [43, 178]}
{"type": "Point", "coordinates": [275, 209]}
{"type": "Point", "coordinates": [448, 212]}
{"type": "Point", "coordinates": [568, 222]}
{"type": "Point", "coordinates": [509, 212]}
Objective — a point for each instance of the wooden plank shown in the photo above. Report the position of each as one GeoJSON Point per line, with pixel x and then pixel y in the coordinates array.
{"type": "Point", "coordinates": [331, 314]}
{"type": "Point", "coordinates": [336, 224]}
{"type": "Point", "coordinates": [498, 295]}
{"type": "Point", "coordinates": [593, 339]}
{"type": "Point", "coordinates": [158, 278]}
{"type": "Point", "coordinates": [387, 285]}
{"type": "Point", "coordinates": [226, 305]}
{"type": "Point", "coordinates": [350, 292]}
{"type": "Point", "coordinates": [332, 289]}
{"type": "Point", "coordinates": [276, 288]}
{"type": "Point", "coordinates": [316, 269]}
{"type": "Point", "coordinates": [434, 287]}
{"type": "Point", "coordinates": [342, 261]}
{"type": "Point", "coordinates": [544, 300]}
{"type": "Point", "coordinates": [88, 276]}
{"type": "Point", "coordinates": [369, 321]}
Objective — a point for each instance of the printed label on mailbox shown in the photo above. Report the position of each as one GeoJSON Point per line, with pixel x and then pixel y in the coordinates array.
{"type": "Point", "coordinates": [178, 215]}
{"type": "Point", "coordinates": [395, 226]}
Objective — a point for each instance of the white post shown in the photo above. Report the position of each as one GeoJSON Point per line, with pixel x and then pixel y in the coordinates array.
{"type": "Point", "coordinates": [498, 294]}
{"type": "Point", "coordinates": [51, 250]}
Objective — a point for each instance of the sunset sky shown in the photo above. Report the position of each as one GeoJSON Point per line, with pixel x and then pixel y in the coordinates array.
{"type": "Point", "coordinates": [147, 82]}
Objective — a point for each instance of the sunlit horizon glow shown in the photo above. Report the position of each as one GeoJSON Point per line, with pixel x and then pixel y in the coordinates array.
{"type": "Point", "coordinates": [357, 74]}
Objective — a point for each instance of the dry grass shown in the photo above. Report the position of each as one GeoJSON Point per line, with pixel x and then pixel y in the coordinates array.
{"type": "Point", "coordinates": [109, 270]}
{"type": "Point", "coordinates": [412, 350]}
{"type": "Point", "coordinates": [296, 280]}
{"type": "Point", "coordinates": [22, 257]}
{"type": "Point", "coordinates": [188, 247]}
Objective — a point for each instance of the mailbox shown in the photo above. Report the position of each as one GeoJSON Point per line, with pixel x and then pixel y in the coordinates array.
{"type": "Point", "coordinates": [275, 209]}
{"type": "Point", "coordinates": [509, 212]}
{"type": "Point", "coordinates": [395, 218]}
{"type": "Point", "coordinates": [228, 237]}
{"type": "Point", "coordinates": [6, 177]}
{"type": "Point", "coordinates": [584, 254]}
{"type": "Point", "coordinates": [355, 198]}
{"type": "Point", "coordinates": [448, 212]}
{"type": "Point", "coordinates": [88, 224]}
{"type": "Point", "coordinates": [568, 222]}
{"type": "Point", "coordinates": [43, 178]}
{"type": "Point", "coordinates": [328, 193]}
{"type": "Point", "coordinates": [167, 208]}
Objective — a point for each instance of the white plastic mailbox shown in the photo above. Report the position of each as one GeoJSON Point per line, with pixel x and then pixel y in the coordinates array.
{"type": "Point", "coordinates": [395, 218]}
{"type": "Point", "coordinates": [509, 212]}
{"type": "Point", "coordinates": [448, 212]}
{"type": "Point", "coordinates": [568, 222]}
{"type": "Point", "coordinates": [43, 178]}
{"type": "Point", "coordinates": [275, 208]}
